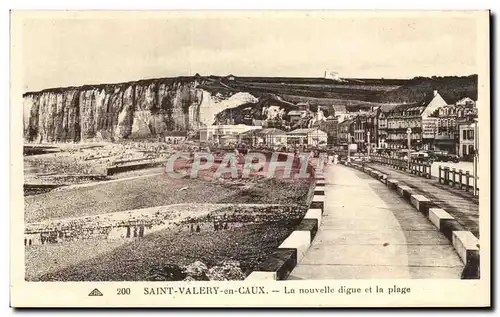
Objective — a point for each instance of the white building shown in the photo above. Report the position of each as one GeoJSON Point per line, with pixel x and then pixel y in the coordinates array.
{"type": "Point", "coordinates": [466, 140]}
{"type": "Point", "coordinates": [311, 136]}
{"type": "Point", "coordinates": [213, 133]}
{"type": "Point", "coordinates": [341, 113]}
{"type": "Point", "coordinates": [332, 75]}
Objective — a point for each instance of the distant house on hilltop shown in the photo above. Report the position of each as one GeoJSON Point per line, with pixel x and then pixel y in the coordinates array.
{"type": "Point", "coordinates": [230, 77]}
{"type": "Point", "coordinates": [332, 75]}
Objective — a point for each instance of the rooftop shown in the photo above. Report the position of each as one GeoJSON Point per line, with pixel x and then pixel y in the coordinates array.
{"type": "Point", "coordinates": [304, 131]}
{"type": "Point", "coordinates": [303, 104]}
{"type": "Point", "coordinates": [295, 113]}
{"type": "Point", "coordinates": [387, 107]}
{"type": "Point", "coordinates": [271, 131]}
{"type": "Point", "coordinates": [175, 133]}
{"type": "Point", "coordinates": [416, 106]}
{"type": "Point", "coordinates": [228, 136]}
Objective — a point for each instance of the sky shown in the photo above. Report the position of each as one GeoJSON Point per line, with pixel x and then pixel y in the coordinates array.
{"type": "Point", "coordinates": [72, 49]}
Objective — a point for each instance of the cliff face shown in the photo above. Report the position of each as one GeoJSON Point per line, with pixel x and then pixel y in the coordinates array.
{"type": "Point", "coordinates": [120, 111]}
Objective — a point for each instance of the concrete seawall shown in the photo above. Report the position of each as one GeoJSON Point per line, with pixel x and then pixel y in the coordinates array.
{"type": "Point", "coordinates": [285, 258]}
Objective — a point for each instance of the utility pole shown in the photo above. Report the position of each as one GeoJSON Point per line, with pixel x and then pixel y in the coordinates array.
{"type": "Point", "coordinates": [476, 155]}
{"type": "Point", "coordinates": [408, 132]}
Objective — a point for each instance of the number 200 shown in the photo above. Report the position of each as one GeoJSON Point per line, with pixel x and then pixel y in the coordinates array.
{"type": "Point", "coordinates": [123, 291]}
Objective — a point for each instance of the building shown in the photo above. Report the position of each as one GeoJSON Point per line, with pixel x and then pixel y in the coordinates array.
{"type": "Point", "coordinates": [274, 123]}
{"type": "Point", "coordinates": [272, 136]}
{"type": "Point", "coordinates": [466, 110]}
{"type": "Point", "coordinates": [429, 128]}
{"type": "Point", "coordinates": [332, 75]}
{"type": "Point", "coordinates": [382, 129]}
{"type": "Point", "coordinates": [412, 116]}
{"type": "Point", "coordinates": [466, 102]}
{"type": "Point", "coordinates": [213, 133]}
{"type": "Point", "coordinates": [330, 126]}
{"type": "Point", "coordinates": [440, 130]}
{"type": "Point", "coordinates": [382, 125]}
{"type": "Point", "coordinates": [228, 139]}
{"type": "Point", "coordinates": [446, 131]}
{"type": "Point", "coordinates": [310, 136]}
{"type": "Point", "coordinates": [466, 141]}
{"type": "Point", "coordinates": [304, 105]}
{"type": "Point", "coordinates": [257, 122]}
{"type": "Point", "coordinates": [360, 130]}
{"type": "Point", "coordinates": [340, 112]}
{"type": "Point", "coordinates": [366, 123]}
{"type": "Point", "coordinates": [372, 127]}
{"type": "Point", "coordinates": [345, 132]}
{"type": "Point", "coordinates": [295, 116]}
{"type": "Point", "coordinates": [175, 137]}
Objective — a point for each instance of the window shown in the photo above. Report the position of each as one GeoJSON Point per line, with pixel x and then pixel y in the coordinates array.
{"type": "Point", "coordinates": [464, 135]}
{"type": "Point", "coordinates": [464, 149]}
{"type": "Point", "coordinates": [471, 149]}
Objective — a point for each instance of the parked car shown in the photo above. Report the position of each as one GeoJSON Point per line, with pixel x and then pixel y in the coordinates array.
{"type": "Point", "coordinates": [441, 156]}
{"type": "Point", "coordinates": [422, 157]}
{"type": "Point", "coordinates": [454, 158]}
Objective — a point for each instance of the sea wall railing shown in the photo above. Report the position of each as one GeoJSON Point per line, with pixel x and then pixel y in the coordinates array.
{"type": "Point", "coordinates": [417, 168]}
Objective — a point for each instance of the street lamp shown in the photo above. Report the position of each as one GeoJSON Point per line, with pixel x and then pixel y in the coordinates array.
{"type": "Point", "coordinates": [476, 155]}
{"type": "Point", "coordinates": [369, 143]}
{"type": "Point", "coordinates": [408, 132]}
{"type": "Point", "coordinates": [349, 147]}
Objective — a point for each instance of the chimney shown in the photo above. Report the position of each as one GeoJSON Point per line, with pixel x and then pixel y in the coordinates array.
{"type": "Point", "coordinates": [435, 93]}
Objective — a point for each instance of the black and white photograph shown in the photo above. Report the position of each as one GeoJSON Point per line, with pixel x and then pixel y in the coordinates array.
{"type": "Point", "coordinates": [252, 147]}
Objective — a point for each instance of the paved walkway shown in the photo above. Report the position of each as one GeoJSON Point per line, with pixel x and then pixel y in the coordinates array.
{"type": "Point", "coordinates": [459, 203]}
{"type": "Point", "coordinates": [370, 232]}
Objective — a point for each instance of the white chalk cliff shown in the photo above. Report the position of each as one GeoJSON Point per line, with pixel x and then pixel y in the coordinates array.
{"type": "Point", "coordinates": [119, 111]}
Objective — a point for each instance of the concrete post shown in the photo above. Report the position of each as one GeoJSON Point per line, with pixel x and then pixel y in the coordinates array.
{"type": "Point", "coordinates": [453, 180]}
{"type": "Point", "coordinates": [460, 174]}
{"type": "Point", "coordinates": [467, 184]}
{"type": "Point", "coordinates": [446, 175]}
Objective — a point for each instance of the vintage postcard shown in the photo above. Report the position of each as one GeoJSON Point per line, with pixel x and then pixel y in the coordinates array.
{"type": "Point", "coordinates": [250, 159]}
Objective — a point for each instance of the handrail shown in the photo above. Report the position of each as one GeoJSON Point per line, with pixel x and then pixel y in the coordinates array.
{"type": "Point", "coordinates": [462, 182]}
{"type": "Point", "coordinates": [447, 176]}
{"type": "Point", "coordinates": [414, 167]}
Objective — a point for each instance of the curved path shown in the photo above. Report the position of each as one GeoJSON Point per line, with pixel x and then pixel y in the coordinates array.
{"type": "Point", "coordinates": [462, 205]}
{"type": "Point", "coordinates": [368, 231]}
